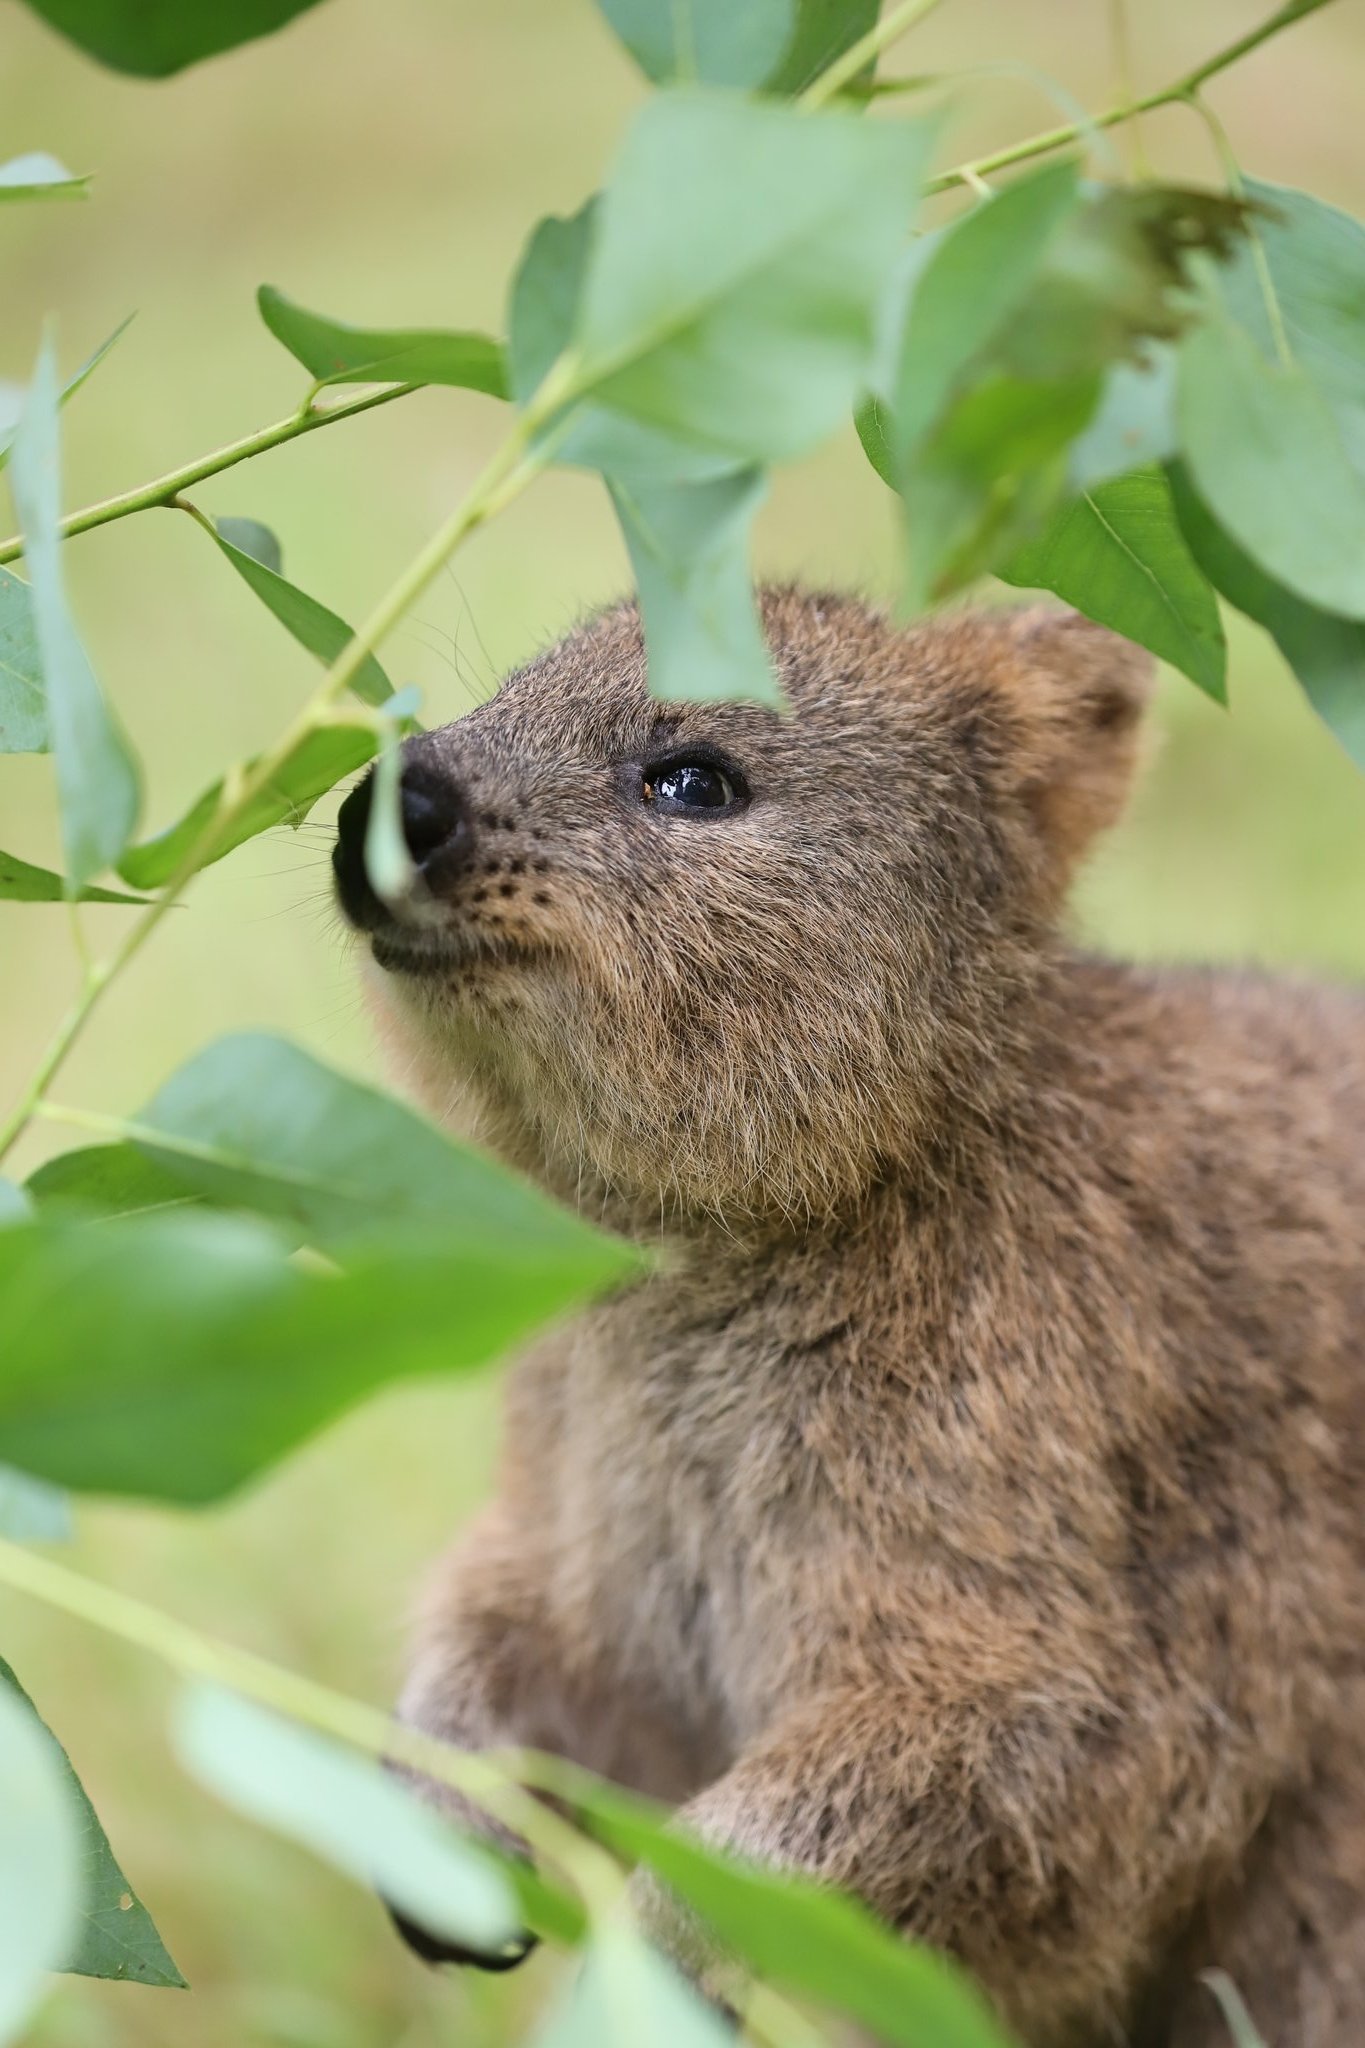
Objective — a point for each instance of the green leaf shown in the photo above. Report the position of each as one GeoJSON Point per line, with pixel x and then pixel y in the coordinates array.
{"type": "Point", "coordinates": [12, 395]}
{"type": "Point", "coordinates": [254, 553]}
{"type": "Point", "coordinates": [1326, 653]}
{"type": "Point", "coordinates": [1018, 317]}
{"type": "Point", "coordinates": [972, 279]}
{"type": "Point", "coordinates": [116, 1937]}
{"type": "Point", "coordinates": [1118, 555]}
{"type": "Point", "coordinates": [988, 477]}
{"type": "Point", "coordinates": [1266, 453]}
{"type": "Point", "coordinates": [23, 704]}
{"type": "Point", "coordinates": [250, 537]}
{"type": "Point", "coordinates": [258, 1123]}
{"type": "Point", "coordinates": [780, 45]}
{"type": "Point", "coordinates": [388, 863]}
{"type": "Point", "coordinates": [541, 318]}
{"type": "Point", "coordinates": [40, 176]}
{"type": "Point", "coordinates": [176, 1356]}
{"type": "Point", "coordinates": [350, 1811]}
{"type": "Point", "coordinates": [1117, 276]}
{"type": "Point", "coordinates": [625, 1996]}
{"type": "Point", "coordinates": [317, 763]}
{"type": "Point", "coordinates": [21, 882]}
{"type": "Point", "coordinates": [798, 1935]}
{"type": "Point", "coordinates": [1133, 425]}
{"type": "Point", "coordinates": [107, 1180]}
{"type": "Point", "coordinates": [153, 38]}
{"type": "Point", "coordinates": [97, 777]}
{"type": "Point", "coordinates": [825, 29]}
{"type": "Point", "coordinates": [1314, 257]}
{"type": "Point", "coordinates": [31, 1511]}
{"type": "Point", "coordinates": [749, 326]}
{"type": "Point", "coordinates": [873, 423]}
{"type": "Point", "coordinates": [1272, 399]}
{"type": "Point", "coordinates": [333, 353]}
{"type": "Point", "coordinates": [689, 548]}
{"type": "Point", "coordinates": [706, 42]}
{"type": "Point", "coordinates": [40, 1861]}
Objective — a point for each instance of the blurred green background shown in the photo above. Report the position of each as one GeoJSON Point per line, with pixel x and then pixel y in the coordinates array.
{"type": "Point", "coordinates": [384, 164]}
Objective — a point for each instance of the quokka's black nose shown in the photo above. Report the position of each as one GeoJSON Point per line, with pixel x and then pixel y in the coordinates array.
{"type": "Point", "coordinates": [437, 825]}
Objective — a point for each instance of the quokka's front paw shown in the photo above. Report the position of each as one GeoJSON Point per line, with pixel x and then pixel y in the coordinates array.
{"type": "Point", "coordinates": [469, 1820]}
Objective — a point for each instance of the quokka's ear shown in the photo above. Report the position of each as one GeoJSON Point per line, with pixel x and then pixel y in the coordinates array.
{"type": "Point", "coordinates": [1074, 694]}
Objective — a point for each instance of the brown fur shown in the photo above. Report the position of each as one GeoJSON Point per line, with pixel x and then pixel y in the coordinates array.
{"type": "Point", "coordinates": [968, 1509]}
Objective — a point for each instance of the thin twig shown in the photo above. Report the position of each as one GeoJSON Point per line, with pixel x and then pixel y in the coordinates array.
{"type": "Point", "coordinates": [162, 490]}
{"type": "Point", "coordinates": [1182, 89]}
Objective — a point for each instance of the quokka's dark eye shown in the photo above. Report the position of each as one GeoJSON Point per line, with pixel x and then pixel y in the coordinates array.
{"type": "Point", "coordinates": [690, 786]}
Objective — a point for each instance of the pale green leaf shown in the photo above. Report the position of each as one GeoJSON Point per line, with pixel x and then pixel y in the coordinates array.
{"type": "Point", "coordinates": [626, 1996]}
{"type": "Point", "coordinates": [1118, 555]}
{"type": "Point", "coordinates": [40, 1862]}
{"type": "Point", "coordinates": [97, 777]}
{"type": "Point", "coordinates": [749, 325]}
{"type": "Point", "coordinates": [351, 1812]}
{"type": "Point", "coordinates": [1303, 275]}
{"type": "Point", "coordinates": [15, 1205]}
{"type": "Point", "coordinates": [689, 548]}
{"type": "Point", "coordinates": [1133, 425]}
{"type": "Point", "coordinates": [153, 38]}
{"type": "Point", "coordinates": [541, 317]}
{"type": "Point", "coordinates": [334, 353]}
{"type": "Point", "coordinates": [115, 1935]}
{"type": "Point", "coordinates": [777, 45]}
{"type": "Point", "coordinates": [251, 537]}
{"type": "Point", "coordinates": [1272, 399]}
{"type": "Point", "coordinates": [704, 42]}
{"type": "Point", "coordinates": [321, 759]}
{"type": "Point", "coordinates": [31, 1511]}
{"type": "Point", "coordinates": [107, 1180]}
{"type": "Point", "coordinates": [21, 882]}
{"type": "Point", "coordinates": [1265, 451]}
{"type": "Point", "coordinates": [40, 176]}
{"type": "Point", "coordinates": [1326, 653]}
{"type": "Point", "coordinates": [23, 704]}
{"type": "Point", "coordinates": [388, 863]}
{"type": "Point", "coordinates": [1242, 2029]}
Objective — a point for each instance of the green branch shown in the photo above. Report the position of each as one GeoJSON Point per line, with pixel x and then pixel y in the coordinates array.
{"type": "Point", "coordinates": [1181, 89]}
{"type": "Point", "coordinates": [163, 490]}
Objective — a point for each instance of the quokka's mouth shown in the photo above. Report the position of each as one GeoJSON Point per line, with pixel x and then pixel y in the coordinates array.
{"type": "Point", "coordinates": [437, 956]}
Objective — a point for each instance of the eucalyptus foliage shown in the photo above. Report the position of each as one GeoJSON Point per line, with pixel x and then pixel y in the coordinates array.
{"type": "Point", "coordinates": [1147, 399]}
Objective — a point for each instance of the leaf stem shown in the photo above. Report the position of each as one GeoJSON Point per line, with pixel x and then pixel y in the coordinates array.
{"type": "Point", "coordinates": [879, 37]}
{"type": "Point", "coordinates": [1182, 89]}
{"type": "Point", "coordinates": [162, 490]}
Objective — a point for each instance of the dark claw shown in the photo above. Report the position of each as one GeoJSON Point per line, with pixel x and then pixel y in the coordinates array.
{"type": "Point", "coordinates": [434, 1948]}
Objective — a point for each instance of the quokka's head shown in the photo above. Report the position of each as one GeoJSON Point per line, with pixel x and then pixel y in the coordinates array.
{"type": "Point", "coordinates": [712, 962]}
